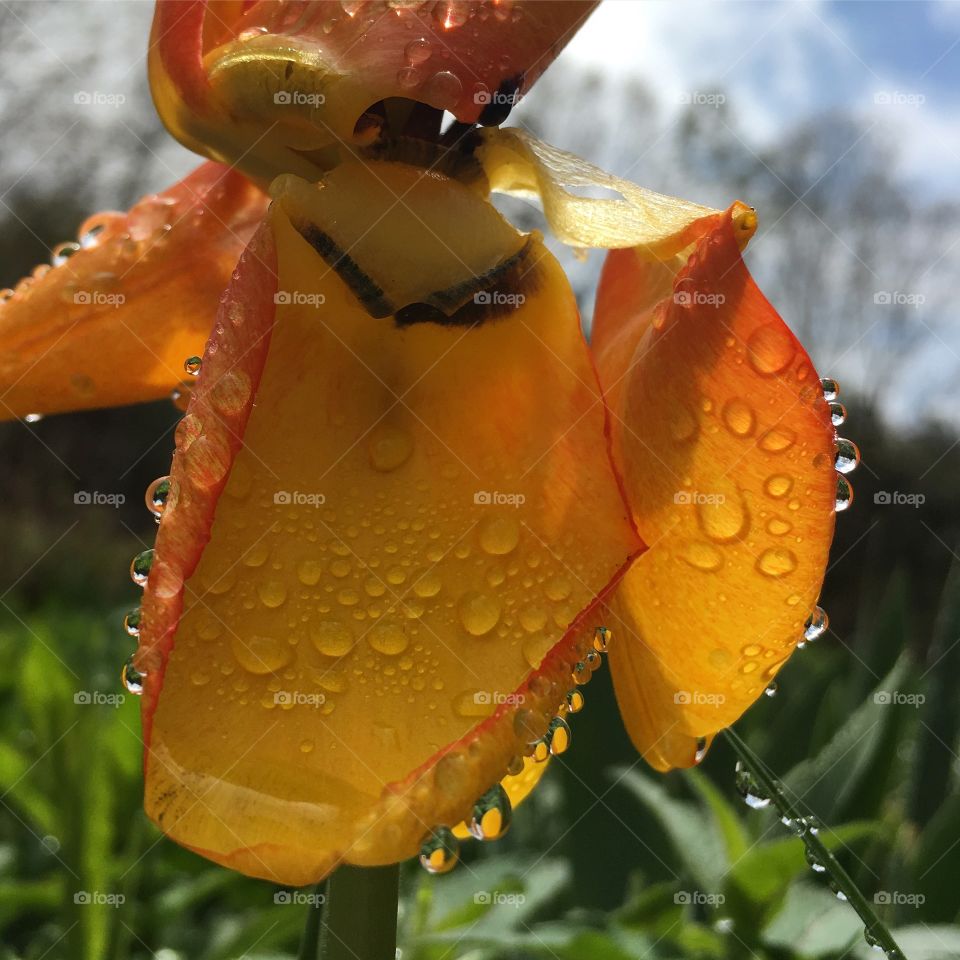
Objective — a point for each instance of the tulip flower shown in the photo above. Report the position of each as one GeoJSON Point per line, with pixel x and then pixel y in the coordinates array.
{"type": "Point", "coordinates": [411, 509]}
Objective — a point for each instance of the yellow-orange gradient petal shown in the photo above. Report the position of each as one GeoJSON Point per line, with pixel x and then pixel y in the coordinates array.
{"type": "Point", "coordinates": [727, 451]}
{"type": "Point", "coordinates": [113, 319]}
{"type": "Point", "coordinates": [422, 516]}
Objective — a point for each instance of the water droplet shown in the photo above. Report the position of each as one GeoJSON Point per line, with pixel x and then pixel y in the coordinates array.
{"type": "Point", "coordinates": [838, 413]}
{"type": "Point", "coordinates": [702, 556]}
{"type": "Point", "coordinates": [748, 788]}
{"type": "Point", "coordinates": [307, 746]}
{"type": "Point", "coordinates": [91, 237]}
{"type": "Point", "coordinates": [272, 593]}
{"type": "Point", "coordinates": [492, 814]}
{"type": "Point", "coordinates": [192, 365]}
{"type": "Point", "coordinates": [515, 766]}
{"type": "Point", "coordinates": [770, 349]}
{"type": "Point", "coordinates": [140, 567]}
{"type": "Point", "coordinates": [815, 864]}
{"type": "Point", "coordinates": [388, 638]}
{"type": "Point", "coordinates": [331, 638]}
{"type": "Point", "coordinates": [601, 639]}
{"type": "Point", "coordinates": [157, 495]}
{"type": "Point", "coordinates": [558, 736]}
{"type": "Point", "coordinates": [133, 679]}
{"type": "Point", "coordinates": [33, 418]}
{"type": "Point", "coordinates": [417, 51]}
{"type": "Point", "coordinates": [131, 622]}
{"type": "Point", "coordinates": [847, 456]}
{"type": "Point", "coordinates": [701, 752]}
{"type": "Point", "coordinates": [309, 572]}
{"type": "Point", "coordinates": [533, 618]}
{"type": "Point", "coordinates": [442, 90]}
{"type": "Point", "coordinates": [844, 494]}
{"type": "Point", "coordinates": [478, 612]}
{"type": "Point", "coordinates": [683, 425]}
{"type": "Point", "coordinates": [62, 252]}
{"type": "Point", "coordinates": [778, 526]}
{"type": "Point", "coordinates": [439, 851]}
{"type": "Point", "coordinates": [499, 535]}
{"type": "Point", "coordinates": [723, 515]}
{"type": "Point", "coordinates": [581, 673]}
{"type": "Point", "coordinates": [408, 77]}
{"type": "Point", "coordinates": [739, 418]}
{"type": "Point", "coordinates": [261, 655]}
{"type": "Point", "coordinates": [816, 624]}
{"type": "Point", "coordinates": [777, 439]}
{"type": "Point", "coordinates": [557, 588]}
{"type": "Point", "coordinates": [772, 688]}
{"type": "Point", "coordinates": [779, 485]}
{"type": "Point", "coordinates": [777, 562]}
{"type": "Point", "coordinates": [427, 584]}
{"type": "Point", "coordinates": [575, 700]}
{"type": "Point", "coordinates": [830, 388]}
{"type": "Point", "coordinates": [389, 447]}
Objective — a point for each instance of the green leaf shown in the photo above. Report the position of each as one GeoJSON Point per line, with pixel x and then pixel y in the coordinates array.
{"type": "Point", "coordinates": [935, 868]}
{"type": "Point", "coordinates": [735, 835]}
{"type": "Point", "coordinates": [812, 923]}
{"type": "Point", "coordinates": [696, 839]}
{"type": "Point", "coordinates": [920, 942]}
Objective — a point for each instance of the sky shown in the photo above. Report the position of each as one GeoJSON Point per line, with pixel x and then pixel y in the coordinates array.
{"type": "Point", "coordinates": [895, 63]}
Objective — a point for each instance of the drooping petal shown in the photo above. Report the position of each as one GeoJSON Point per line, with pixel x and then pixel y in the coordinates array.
{"type": "Point", "coordinates": [384, 534]}
{"type": "Point", "coordinates": [517, 163]}
{"type": "Point", "coordinates": [727, 451]}
{"type": "Point", "coordinates": [116, 316]}
{"type": "Point", "coordinates": [279, 87]}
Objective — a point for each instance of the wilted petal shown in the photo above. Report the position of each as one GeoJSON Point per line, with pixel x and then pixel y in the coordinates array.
{"type": "Point", "coordinates": [385, 533]}
{"type": "Point", "coordinates": [279, 87]}
{"type": "Point", "coordinates": [727, 450]}
{"type": "Point", "coordinates": [114, 320]}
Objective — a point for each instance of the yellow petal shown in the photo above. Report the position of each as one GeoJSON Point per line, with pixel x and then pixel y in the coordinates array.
{"type": "Point", "coordinates": [382, 612]}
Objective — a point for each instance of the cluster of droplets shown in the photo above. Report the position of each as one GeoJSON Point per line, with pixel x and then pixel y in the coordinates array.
{"type": "Point", "coordinates": [493, 812]}
{"type": "Point", "coordinates": [804, 828]}
{"type": "Point", "coordinates": [846, 455]}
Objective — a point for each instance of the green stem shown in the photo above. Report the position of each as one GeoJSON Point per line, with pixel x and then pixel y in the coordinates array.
{"type": "Point", "coordinates": [876, 930]}
{"type": "Point", "coordinates": [358, 919]}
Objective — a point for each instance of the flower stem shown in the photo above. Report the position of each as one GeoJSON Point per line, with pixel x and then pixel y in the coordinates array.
{"type": "Point", "coordinates": [875, 932]}
{"type": "Point", "coordinates": [358, 918]}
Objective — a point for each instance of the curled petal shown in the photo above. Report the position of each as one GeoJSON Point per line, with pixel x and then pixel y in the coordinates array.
{"type": "Point", "coordinates": [279, 87]}
{"type": "Point", "coordinates": [384, 536]}
{"type": "Point", "coordinates": [519, 164]}
{"type": "Point", "coordinates": [727, 451]}
{"type": "Point", "coordinates": [112, 321]}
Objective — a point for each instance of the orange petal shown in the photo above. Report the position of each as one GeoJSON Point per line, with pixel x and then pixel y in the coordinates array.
{"type": "Point", "coordinates": [273, 87]}
{"type": "Point", "coordinates": [383, 538]}
{"type": "Point", "coordinates": [115, 320]}
{"type": "Point", "coordinates": [727, 451]}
